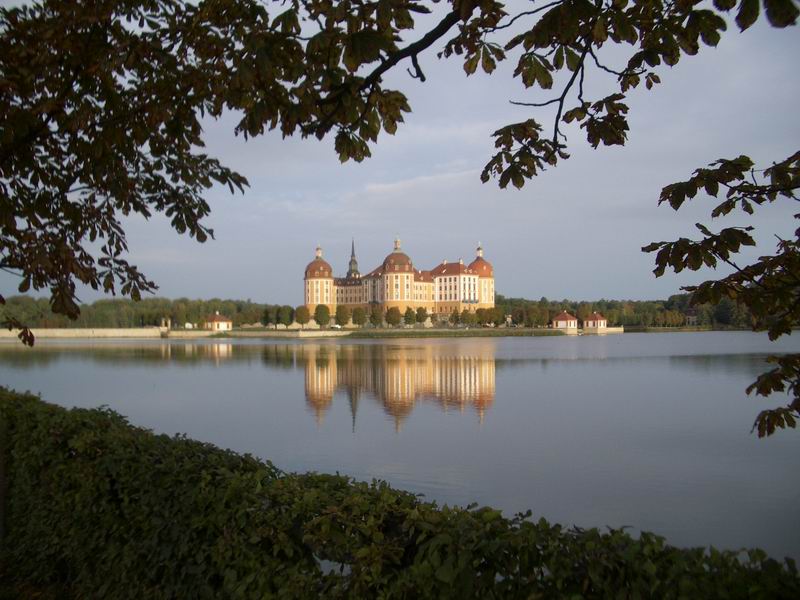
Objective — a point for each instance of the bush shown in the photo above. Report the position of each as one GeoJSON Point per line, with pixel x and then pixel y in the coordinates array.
{"type": "Point", "coordinates": [108, 510]}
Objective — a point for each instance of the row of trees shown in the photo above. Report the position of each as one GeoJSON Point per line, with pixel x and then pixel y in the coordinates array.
{"type": "Point", "coordinates": [127, 313]}
{"type": "Point", "coordinates": [673, 312]}
{"type": "Point", "coordinates": [286, 315]}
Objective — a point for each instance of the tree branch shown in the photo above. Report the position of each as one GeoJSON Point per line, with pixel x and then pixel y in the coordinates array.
{"type": "Point", "coordinates": [526, 13]}
{"type": "Point", "coordinates": [409, 51]}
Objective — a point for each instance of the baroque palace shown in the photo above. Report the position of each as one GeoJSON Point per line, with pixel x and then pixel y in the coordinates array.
{"type": "Point", "coordinates": [448, 287]}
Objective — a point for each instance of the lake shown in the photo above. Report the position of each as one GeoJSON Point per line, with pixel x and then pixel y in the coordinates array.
{"type": "Point", "coordinates": [650, 431]}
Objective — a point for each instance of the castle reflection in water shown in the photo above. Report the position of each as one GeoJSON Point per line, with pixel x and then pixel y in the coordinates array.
{"type": "Point", "coordinates": [398, 377]}
{"type": "Point", "coordinates": [457, 375]}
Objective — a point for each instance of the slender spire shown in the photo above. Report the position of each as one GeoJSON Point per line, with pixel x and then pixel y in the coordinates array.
{"type": "Point", "coordinates": [479, 250]}
{"type": "Point", "coordinates": [397, 244]}
{"type": "Point", "coordinates": [318, 253]}
{"type": "Point", "coordinates": [352, 270]}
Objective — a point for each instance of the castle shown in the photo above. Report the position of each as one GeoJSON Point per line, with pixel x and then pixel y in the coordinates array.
{"type": "Point", "coordinates": [448, 287]}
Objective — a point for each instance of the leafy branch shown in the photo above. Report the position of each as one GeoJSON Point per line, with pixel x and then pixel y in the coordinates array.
{"type": "Point", "coordinates": [769, 287]}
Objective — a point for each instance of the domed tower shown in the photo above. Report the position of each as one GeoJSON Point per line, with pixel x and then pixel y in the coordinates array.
{"type": "Point", "coordinates": [318, 284]}
{"type": "Point", "coordinates": [398, 279]}
{"type": "Point", "coordinates": [485, 272]}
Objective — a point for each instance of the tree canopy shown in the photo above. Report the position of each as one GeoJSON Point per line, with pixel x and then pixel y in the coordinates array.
{"type": "Point", "coordinates": [285, 315]}
{"type": "Point", "coordinates": [359, 316]}
{"type": "Point", "coordinates": [102, 103]}
{"type": "Point", "coordinates": [301, 315]}
{"type": "Point", "coordinates": [393, 316]}
{"type": "Point", "coordinates": [322, 315]}
{"type": "Point", "coordinates": [343, 315]}
{"type": "Point", "coordinates": [375, 316]}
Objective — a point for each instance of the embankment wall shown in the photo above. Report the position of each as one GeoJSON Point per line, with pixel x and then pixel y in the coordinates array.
{"type": "Point", "coordinates": [99, 332]}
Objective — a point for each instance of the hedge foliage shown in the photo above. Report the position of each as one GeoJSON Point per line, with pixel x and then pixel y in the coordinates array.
{"type": "Point", "coordinates": [108, 510]}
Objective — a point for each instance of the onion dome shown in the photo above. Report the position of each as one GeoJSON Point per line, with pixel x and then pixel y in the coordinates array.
{"type": "Point", "coordinates": [480, 265]}
{"type": "Point", "coordinates": [397, 260]}
{"type": "Point", "coordinates": [318, 268]}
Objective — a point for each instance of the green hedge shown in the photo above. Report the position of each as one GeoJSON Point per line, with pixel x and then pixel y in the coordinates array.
{"type": "Point", "coordinates": [107, 510]}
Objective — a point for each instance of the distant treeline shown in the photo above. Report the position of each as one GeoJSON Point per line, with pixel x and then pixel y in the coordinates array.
{"type": "Point", "coordinates": [672, 312]}
{"type": "Point", "coordinates": [35, 312]}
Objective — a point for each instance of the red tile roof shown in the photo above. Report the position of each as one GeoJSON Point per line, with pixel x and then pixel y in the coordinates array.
{"type": "Point", "coordinates": [564, 316]}
{"type": "Point", "coordinates": [595, 316]}
{"type": "Point", "coordinates": [318, 268]}
{"type": "Point", "coordinates": [482, 267]}
{"type": "Point", "coordinates": [397, 261]}
{"type": "Point", "coordinates": [376, 272]}
{"type": "Point", "coordinates": [218, 319]}
{"type": "Point", "coordinates": [422, 275]}
{"type": "Point", "coordinates": [451, 268]}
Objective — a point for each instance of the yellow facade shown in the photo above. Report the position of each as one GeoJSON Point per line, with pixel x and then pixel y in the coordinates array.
{"type": "Point", "coordinates": [397, 283]}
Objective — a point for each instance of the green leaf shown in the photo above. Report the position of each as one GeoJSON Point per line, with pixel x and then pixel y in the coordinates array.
{"type": "Point", "coordinates": [573, 59]}
{"type": "Point", "coordinates": [558, 60]}
{"type": "Point", "coordinates": [445, 573]}
{"type": "Point", "coordinates": [781, 13]}
{"type": "Point", "coordinates": [748, 13]}
{"type": "Point", "coordinates": [600, 31]}
{"type": "Point", "coordinates": [487, 61]}
{"type": "Point", "coordinates": [471, 64]}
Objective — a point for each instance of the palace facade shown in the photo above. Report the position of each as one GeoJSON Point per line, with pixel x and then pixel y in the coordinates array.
{"type": "Point", "coordinates": [397, 283]}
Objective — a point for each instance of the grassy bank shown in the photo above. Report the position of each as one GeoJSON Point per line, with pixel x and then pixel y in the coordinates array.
{"type": "Point", "coordinates": [436, 333]}
{"type": "Point", "coordinates": [97, 508]}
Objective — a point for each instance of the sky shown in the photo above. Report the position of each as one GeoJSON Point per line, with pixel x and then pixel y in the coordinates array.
{"type": "Point", "coordinates": [575, 231]}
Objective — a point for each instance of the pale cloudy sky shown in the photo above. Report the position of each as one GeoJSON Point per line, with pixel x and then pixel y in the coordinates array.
{"type": "Point", "coordinates": [574, 232]}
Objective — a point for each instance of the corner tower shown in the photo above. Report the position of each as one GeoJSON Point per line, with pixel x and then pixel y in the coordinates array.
{"type": "Point", "coordinates": [397, 279]}
{"type": "Point", "coordinates": [483, 268]}
{"type": "Point", "coordinates": [318, 284]}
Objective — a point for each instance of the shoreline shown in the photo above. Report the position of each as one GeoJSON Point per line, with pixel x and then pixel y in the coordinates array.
{"type": "Point", "coordinates": [383, 333]}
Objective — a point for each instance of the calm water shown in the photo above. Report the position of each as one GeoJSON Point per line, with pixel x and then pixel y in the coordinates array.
{"type": "Point", "coordinates": [646, 430]}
